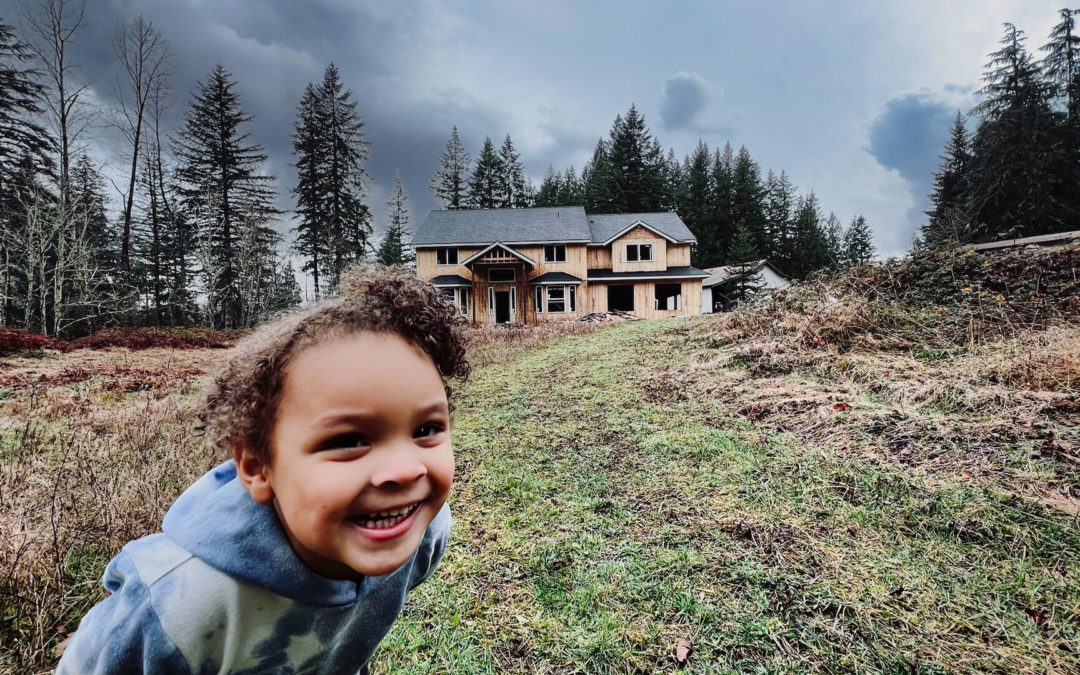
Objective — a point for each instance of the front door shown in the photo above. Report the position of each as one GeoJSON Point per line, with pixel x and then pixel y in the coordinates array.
{"type": "Point", "coordinates": [502, 306]}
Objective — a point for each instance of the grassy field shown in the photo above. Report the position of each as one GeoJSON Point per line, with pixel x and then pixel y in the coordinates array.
{"type": "Point", "coordinates": [776, 507]}
{"type": "Point", "coordinates": [607, 508]}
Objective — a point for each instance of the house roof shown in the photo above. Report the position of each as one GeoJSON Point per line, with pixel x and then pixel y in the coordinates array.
{"type": "Point", "coordinates": [545, 225]}
{"type": "Point", "coordinates": [450, 281]}
{"type": "Point", "coordinates": [669, 225]}
{"type": "Point", "coordinates": [669, 273]}
{"type": "Point", "coordinates": [725, 273]}
{"type": "Point", "coordinates": [555, 278]}
{"type": "Point", "coordinates": [559, 224]}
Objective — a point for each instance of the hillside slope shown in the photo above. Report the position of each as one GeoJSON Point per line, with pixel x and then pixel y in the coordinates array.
{"type": "Point", "coordinates": [621, 492]}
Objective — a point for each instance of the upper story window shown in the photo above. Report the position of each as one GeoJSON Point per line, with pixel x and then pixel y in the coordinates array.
{"type": "Point", "coordinates": [555, 253]}
{"type": "Point", "coordinates": [638, 252]}
{"type": "Point", "coordinates": [498, 276]}
{"type": "Point", "coordinates": [446, 256]}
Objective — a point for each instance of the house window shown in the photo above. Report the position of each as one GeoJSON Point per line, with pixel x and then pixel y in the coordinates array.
{"type": "Point", "coordinates": [555, 253]}
{"type": "Point", "coordinates": [668, 297]}
{"type": "Point", "coordinates": [501, 276]}
{"type": "Point", "coordinates": [446, 256]}
{"type": "Point", "coordinates": [459, 297]}
{"type": "Point", "coordinates": [556, 298]}
{"type": "Point", "coordinates": [573, 299]}
{"type": "Point", "coordinates": [638, 252]}
{"type": "Point", "coordinates": [539, 299]}
{"type": "Point", "coordinates": [620, 298]}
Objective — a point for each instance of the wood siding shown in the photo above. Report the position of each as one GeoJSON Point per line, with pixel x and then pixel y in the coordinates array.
{"type": "Point", "coordinates": [427, 269]}
{"type": "Point", "coordinates": [639, 235]}
{"type": "Point", "coordinates": [678, 255]}
{"type": "Point", "coordinates": [595, 299]}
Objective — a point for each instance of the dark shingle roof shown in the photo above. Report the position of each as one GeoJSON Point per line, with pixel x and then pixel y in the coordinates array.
{"type": "Point", "coordinates": [669, 223]}
{"type": "Point", "coordinates": [555, 278]}
{"type": "Point", "coordinates": [512, 226]}
{"type": "Point", "coordinates": [450, 280]}
{"type": "Point", "coordinates": [669, 273]}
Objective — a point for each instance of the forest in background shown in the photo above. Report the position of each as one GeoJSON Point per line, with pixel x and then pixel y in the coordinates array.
{"type": "Point", "coordinates": [196, 238]}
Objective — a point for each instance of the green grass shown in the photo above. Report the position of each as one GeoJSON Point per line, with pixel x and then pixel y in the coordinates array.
{"type": "Point", "coordinates": [597, 525]}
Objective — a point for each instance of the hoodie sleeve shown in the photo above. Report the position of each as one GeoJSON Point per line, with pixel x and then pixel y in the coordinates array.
{"type": "Point", "coordinates": [432, 547]}
{"type": "Point", "coordinates": [121, 634]}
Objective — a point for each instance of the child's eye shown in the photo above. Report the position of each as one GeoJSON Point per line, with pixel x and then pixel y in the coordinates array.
{"type": "Point", "coordinates": [428, 429]}
{"type": "Point", "coordinates": [345, 441]}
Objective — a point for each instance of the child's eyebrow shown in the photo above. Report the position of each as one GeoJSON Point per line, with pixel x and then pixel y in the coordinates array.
{"type": "Point", "coordinates": [335, 418]}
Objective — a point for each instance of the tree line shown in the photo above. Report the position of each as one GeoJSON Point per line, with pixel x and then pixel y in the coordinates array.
{"type": "Point", "coordinates": [736, 214]}
{"type": "Point", "coordinates": [195, 241]}
{"type": "Point", "coordinates": [1018, 174]}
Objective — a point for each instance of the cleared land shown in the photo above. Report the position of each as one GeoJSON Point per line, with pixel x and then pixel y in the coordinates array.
{"type": "Point", "coordinates": [830, 483]}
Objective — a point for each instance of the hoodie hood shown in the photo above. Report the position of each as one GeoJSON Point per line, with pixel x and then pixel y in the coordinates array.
{"type": "Point", "coordinates": [218, 521]}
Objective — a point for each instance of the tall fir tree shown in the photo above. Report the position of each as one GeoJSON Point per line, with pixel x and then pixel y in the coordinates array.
{"type": "Point", "coordinates": [779, 201]}
{"type": "Point", "coordinates": [834, 240]}
{"type": "Point", "coordinates": [226, 196]}
{"type": "Point", "coordinates": [949, 218]}
{"type": "Point", "coordinates": [312, 240]}
{"type": "Point", "coordinates": [810, 246]}
{"type": "Point", "coordinates": [334, 229]}
{"type": "Point", "coordinates": [548, 192]}
{"type": "Point", "coordinates": [747, 198]}
{"type": "Point", "coordinates": [450, 182]}
{"type": "Point", "coordinates": [1061, 68]}
{"type": "Point", "coordinates": [743, 254]}
{"type": "Point", "coordinates": [1015, 190]}
{"type": "Point", "coordinates": [858, 242]}
{"type": "Point", "coordinates": [570, 189]}
{"type": "Point", "coordinates": [598, 181]}
{"type": "Point", "coordinates": [486, 181]}
{"type": "Point", "coordinates": [696, 200]}
{"type": "Point", "coordinates": [394, 249]}
{"type": "Point", "coordinates": [638, 170]}
{"type": "Point", "coordinates": [720, 220]}
{"type": "Point", "coordinates": [513, 190]}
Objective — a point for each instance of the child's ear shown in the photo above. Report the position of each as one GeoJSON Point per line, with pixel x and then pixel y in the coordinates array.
{"type": "Point", "coordinates": [253, 474]}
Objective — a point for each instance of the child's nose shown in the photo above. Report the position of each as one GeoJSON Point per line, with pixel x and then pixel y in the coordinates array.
{"type": "Point", "coordinates": [399, 465]}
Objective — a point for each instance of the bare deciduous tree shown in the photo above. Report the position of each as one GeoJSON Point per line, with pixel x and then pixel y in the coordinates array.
{"type": "Point", "coordinates": [54, 26]}
{"type": "Point", "coordinates": [145, 57]}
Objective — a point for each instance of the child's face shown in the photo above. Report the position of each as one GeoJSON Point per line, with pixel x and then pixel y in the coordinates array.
{"type": "Point", "coordinates": [361, 460]}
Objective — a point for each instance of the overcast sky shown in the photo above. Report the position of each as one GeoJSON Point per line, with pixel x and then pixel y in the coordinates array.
{"type": "Point", "coordinates": [852, 98]}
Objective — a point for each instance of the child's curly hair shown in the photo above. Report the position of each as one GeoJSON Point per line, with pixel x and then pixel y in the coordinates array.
{"type": "Point", "coordinates": [241, 406]}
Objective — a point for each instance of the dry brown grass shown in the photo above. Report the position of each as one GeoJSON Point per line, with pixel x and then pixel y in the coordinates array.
{"type": "Point", "coordinates": [94, 448]}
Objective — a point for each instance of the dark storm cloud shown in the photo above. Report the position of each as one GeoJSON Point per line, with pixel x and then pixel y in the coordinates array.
{"type": "Point", "coordinates": [909, 135]}
{"type": "Point", "coordinates": [273, 48]}
{"type": "Point", "coordinates": [685, 97]}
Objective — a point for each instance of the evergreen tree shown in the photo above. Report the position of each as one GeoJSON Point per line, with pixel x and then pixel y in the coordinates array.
{"type": "Point", "coordinates": [949, 200]}
{"type": "Point", "coordinates": [696, 201]}
{"type": "Point", "coordinates": [570, 189]}
{"type": "Point", "coordinates": [598, 181]}
{"type": "Point", "coordinates": [834, 240]}
{"type": "Point", "coordinates": [858, 242]}
{"type": "Point", "coordinates": [744, 255]}
{"type": "Point", "coordinates": [286, 290]}
{"type": "Point", "coordinates": [334, 228]}
{"type": "Point", "coordinates": [548, 192]}
{"type": "Point", "coordinates": [312, 205]}
{"type": "Point", "coordinates": [394, 250]}
{"type": "Point", "coordinates": [1061, 68]}
{"type": "Point", "coordinates": [20, 102]}
{"type": "Point", "coordinates": [779, 201]}
{"type": "Point", "coordinates": [811, 249]}
{"type": "Point", "coordinates": [638, 185]}
{"type": "Point", "coordinates": [88, 201]}
{"type": "Point", "coordinates": [486, 181]}
{"type": "Point", "coordinates": [1015, 190]}
{"type": "Point", "coordinates": [513, 192]}
{"type": "Point", "coordinates": [747, 198]}
{"type": "Point", "coordinates": [450, 184]}
{"type": "Point", "coordinates": [228, 200]}
{"type": "Point", "coordinates": [720, 221]}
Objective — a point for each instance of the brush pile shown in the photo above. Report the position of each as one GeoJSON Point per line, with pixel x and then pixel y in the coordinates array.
{"type": "Point", "coordinates": [956, 364]}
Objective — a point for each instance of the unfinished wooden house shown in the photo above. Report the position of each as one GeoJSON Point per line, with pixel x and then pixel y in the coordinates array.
{"type": "Point", "coordinates": [550, 264]}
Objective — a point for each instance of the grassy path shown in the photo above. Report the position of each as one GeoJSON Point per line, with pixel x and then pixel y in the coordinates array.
{"type": "Point", "coordinates": [602, 514]}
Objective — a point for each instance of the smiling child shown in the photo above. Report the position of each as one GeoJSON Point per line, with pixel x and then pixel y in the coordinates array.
{"type": "Point", "coordinates": [297, 554]}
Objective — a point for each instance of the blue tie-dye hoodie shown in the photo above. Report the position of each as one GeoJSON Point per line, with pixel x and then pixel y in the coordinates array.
{"type": "Point", "coordinates": [221, 591]}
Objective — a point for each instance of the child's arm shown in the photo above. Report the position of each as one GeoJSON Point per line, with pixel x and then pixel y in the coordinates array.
{"type": "Point", "coordinates": [121, 634]}
{"type": "Point", "coordinates": [431, 548]}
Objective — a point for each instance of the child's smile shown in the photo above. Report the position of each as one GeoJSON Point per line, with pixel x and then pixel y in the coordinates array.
{"type": "Point", "coordinates": [361, 460]}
